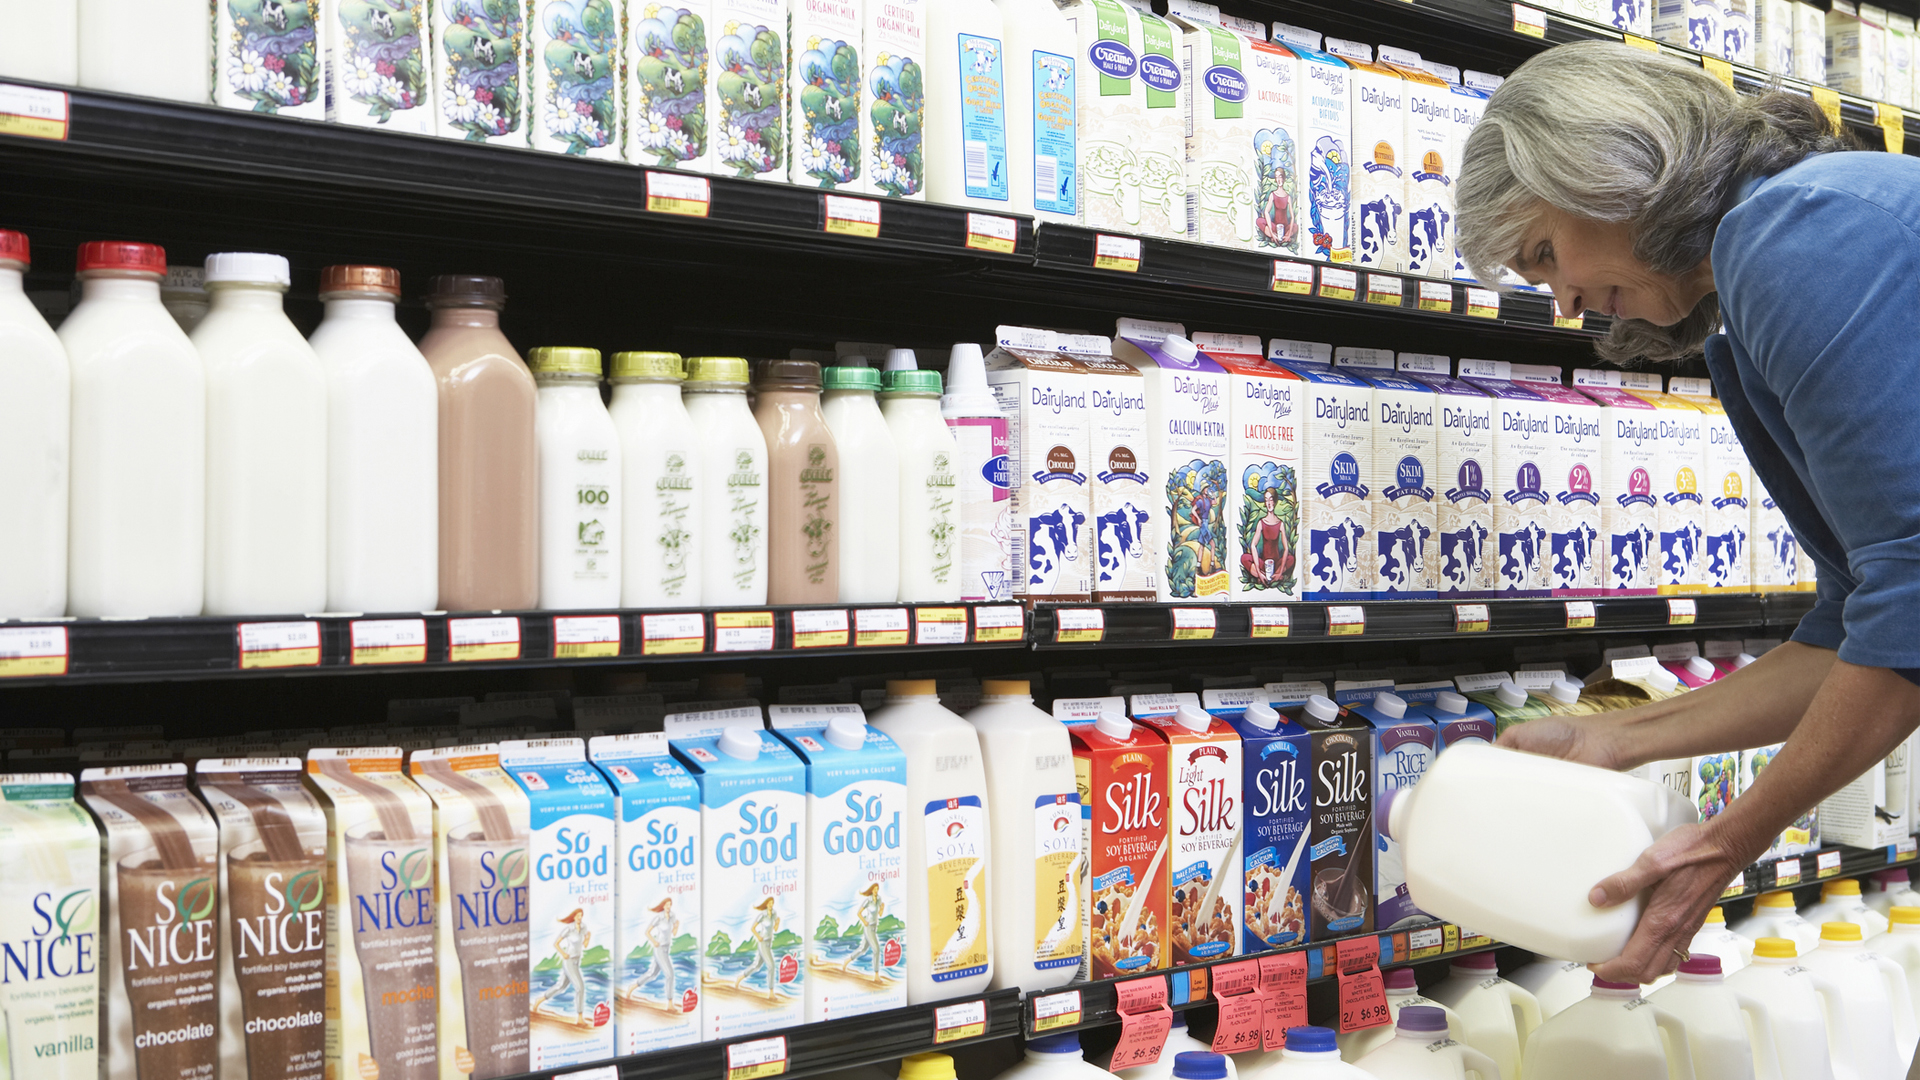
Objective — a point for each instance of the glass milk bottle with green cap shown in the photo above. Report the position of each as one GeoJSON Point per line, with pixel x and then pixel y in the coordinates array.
{"type": "Point", "coordinates": [266, 444]}
{"type": "Point", "coordinates": [579, 481]}
{"type": "Point", "coordinates": [869, 487]}
{"type": "Point", "coordinates": [803, 485]}
{"type": "Point", "coordinates": [34, 402]}
{"type": "Point", "coordinates": [661, 533]}
{"type": "Point", "coordinates": [731, 479]}
{"type": "Point", "coordinates": [929, 502]}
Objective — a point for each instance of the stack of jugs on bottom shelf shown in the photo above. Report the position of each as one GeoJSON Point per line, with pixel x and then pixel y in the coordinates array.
{"type": "Point", "coordinates": [1311, 1053]}
{"type": "Point", "coordinates": [1403, 991]}
{"type": "Point", "coordinates": [1799, 1005]}
{"type": "Point", "coordinates": [1901, 944]}
{"type": "Point", "coordinates": [1870, 992]}
{"type": "Point", "coordinates": [1555, 984]}
{"type": "Point", "coordinates": [1840, 901]}
{"type": "Point", "coordinates": [1421, 1050]}
{"type": "Point", "coordinates": [1052, 1057]}
{"type": "Point", "coordinates": [1180, 1042]}
{"type": "Point", "coordinates": [1498, 1016]}
{"type": "Point", "coordinates": [1773, 916]}
{"type": "Point", "coordinates": [1728, 1034]}
{"type": "Point", "coordinates": [1613, 1035]}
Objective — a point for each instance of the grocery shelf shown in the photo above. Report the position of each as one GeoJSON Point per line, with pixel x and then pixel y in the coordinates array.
{"type": "Point", "coordinates": [1826, 864]}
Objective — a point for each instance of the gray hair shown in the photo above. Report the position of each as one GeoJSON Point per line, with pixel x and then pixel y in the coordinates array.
{"type": "Point", "coordinates": [1607, 132]}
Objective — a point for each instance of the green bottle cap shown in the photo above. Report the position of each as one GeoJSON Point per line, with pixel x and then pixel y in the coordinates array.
{"type": "Point", "coordinates": [912, 382]}
{"type": "Point", "coordinates": [852, 378]}
{"type": "Point", "coordinates": [717, 369]}
{"type": "Point", "coordinates": [648, 365]}
{"type": "Point", "coordinates": [564, 360]}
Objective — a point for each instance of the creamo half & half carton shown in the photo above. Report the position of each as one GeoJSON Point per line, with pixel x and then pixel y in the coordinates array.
{"type": "Point", "coordinates": [1682, 449]}
{"type": "Point", "coordinates": [1404, 475]}
{"type": "Point", "coordinates": [1120, 771]}
{"type": "Point", "coordinates": [1120, 472]}
{"type": "Point", "coordinates": [1429, 167]}
{"type": "Point", "coordinates": [1326, 144]}
{"type": "Point", "coordinates": [1242, 148]}
{"type": "Point", "coordinates": [753, 870]}
{"type": "Point", "coordinates": [1522, 456]}
{"type": "Point", "coordinates": [656, 934]}
{"type": "Point", "coordinates": [1187, 442]}
{"type": "Point", "coordinates": [273, 919]}
{"type": "Point", "coordinates": [50, 910]}
{"type": "Point", "coordinates": [382, 950]}
{"type": "Point", "coordinates": [856, 862]}
{"type": "Point", "coordinates": [1724, 490]}
{"type": "Point", "coordinates": [481, 852]}
{"type": "Point", "coordinates": [1204, 785]}
{"type": "Point", "coordinates": [1336, 445]}
{"type": "Point", "coordinates": [570, 912]}
{"type": "Point", "coordinates": [1340, 838]}
{"type": "Point", "coordinates": [161, 867]}
{"type": "Point", "coordinates": [1629, 457]}
{"type": "Point", "coordinates": [1573, 476]}
{"type": "Point", "coordinates": [1043, 393]}
{"type": "Point", "coordinates": [1131, 137]}
{"type": "Point", "coordinates": [1162, 160]}
{"type": "Point", "coordinates": [1263, 469]}
{"type": "Point", "coordinates": [1776, 565]}
{"type": "Point", "coordinates": [1275, 760]}
{"type": "Point", "coordinates": [1463, 540]}
{"type": "Point", "coordinates": [1380, 159]}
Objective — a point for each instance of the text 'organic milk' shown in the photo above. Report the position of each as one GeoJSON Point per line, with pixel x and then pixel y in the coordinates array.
{"type": "Point", "coordinates": [1522, 451]}
{"type": "Point", "coordinates": [1724, 487]}
{"type": "Point", "coordinates": [273, 919]}
{"type": "Point", "coordinates": [1403, 474]}
{"type": "Point", "coordinates": [1262, 515]}
{"type": "Point", "coordinates": [50, 911]}
{"type": "Point", "coordinates": [1463, 524]}
{"type": "Point", "coordinates": [1187, 442]}
{"type": "Point", "coordinates": [895, 61]}
{"type": "Point", "coordinates": [1120, 468]}
{"type": "Point", "coordinates": [1573, 472]}
{"type": "Point", "coordinates": [1629, 456]}
{"type": "Point", "coordinates": [1680, 566]}
{"type": "Point", "coordinates": [1336, 447]}
{"type": "Point", "coordinates": [1044, 394]}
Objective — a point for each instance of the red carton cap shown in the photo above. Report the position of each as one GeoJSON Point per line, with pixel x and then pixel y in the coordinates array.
{"type": "Point", "coordinates": [13, 247]}
{"type": "Point", "coordinates": [122, 255]}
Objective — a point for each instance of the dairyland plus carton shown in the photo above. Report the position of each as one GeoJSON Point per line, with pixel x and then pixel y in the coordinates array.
{"type": "Point", "coordinates": [1629, 455]}
{"type": "Point", "coordinates": [1681, 565]}
{"type": "Point", "coordinates": [1263, 469]}
{"type": "Point", "coordinates": [1429, 168]}
{"type": "Point", "coordinates": [1043, 392]}
{"type": "Point", "coordinates": [1380, 160]}
{"type": "Point", "coordinates": [1120, 471]}
{"type": "Point", "coordinates": [1724, 490]}
{"type": "Point", "coordinates": [51, 908]}
{"type": "Point", "coordinates": [1464, 507]}
{"type": "Point", "coordinates": [1574, 562]}
{"type": "Point", "coordinates": [1522, 452]}
{"type": "Point", "coordinates": [1776, 554]}
{"type": "Point", "coordinates": [1204, 789]}
{"type": "Point", "coordinates": [1336, 443]}
{"type": "Point", "coordinates": [1187, 442]}
{"type": "Point", "coordinates": [1403, 473]}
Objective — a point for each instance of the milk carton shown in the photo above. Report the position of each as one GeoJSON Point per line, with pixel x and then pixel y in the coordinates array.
{"type": "Point", "coordinates": [669, 119]}
{"type": "Point", "coordinates": [856, 894]}
{"type": "Point", "coordinates": [1465, 106]}
{"type": "Point", "coordinates": [1464, 457]}
{"type": "Point", "coordinates": [1870, 812]}
{"type": "Point", "coordinates": [1796, 839]}
{"type": "Point", "coordinates": [1808, 576]}
{"type": "Point", "coordinates": [1522, 455]}
{"type": "Point", "coordinates": [1340, 843]}
{"type": "Point", "coordinates": [297, 40]}
{"type": "Point", "coordinates": [365, 43]}
{"type": "Point", "coordinates": [1575, 563]}
{"type": "Point", "coordinates": [1263, 469]}
{"type": "Point", "coordinates": [753, 871]}
{"type": "Point", "coordinates": [893, 59]}
{"type": "Point", "coordinates": [1737, 18]}
{"type": "Point", "coordinates": [1187, 442]}
{"type": "Point", "coordinates": [1900, 59]}
{"type": "Point", "coordinates": [1123, 142]}
{"type": "Point", "coordinates": [1629, 456]}
{"type": "Point", "coordinates": [1776, 554]}
{"type": "Point", "coordinates": [574, 55]}
{"type": "Point", "coordinates": [1044, 392]}
{"type": "Point", "coordinates": [1220, 186]}
{"type": "Point", "coordinates": [1277, 818]}
{"type": "Point", "coordinates": [1120, 771]}
{"type": "Point", "coordinates": [1403, 474]}
{"type": "Point", "coordinates": [1725, 484]}
{"type": "Point", "coordinates": [1204, 784]}
{"type": "Point", "coordinates": [1405, 741]}
{"type": "Point", "coordinates": [51, 909]}
{"type": "Point", "coordinates": [1676, 484]}
{"type": "Point", "coordinates": [746, 88]}
{"type": "Point", "coordinates": [1336, 440]}
{"type": "Point", "coordinates": [480, 71]}
{"type": "Point", "coordinates": [1857, 50]}
{"type": "Point", "coordinates": [1690, 24]}
{"type": "Point", "coordinates": [1326, 142]}
{"type": "Point", "coordinates": [1809, 42]}
{"type": "Point", "coordinates": [1274, 104]}
{"type": "Point", "coordinates": [1162, 160]}
{"type": "Point", "coordinates": [1120, 467]}
{"type": "Point", "coordinates": [1773, 36]}
{"type": "Point", "coordinates": [1380, 162]}
{"type": "Point", "coordinates": [824, 95]}
{"type": "Point", "coordinates": [1430, 167]}
{"type": "Point", "coordinates": [484, 868]}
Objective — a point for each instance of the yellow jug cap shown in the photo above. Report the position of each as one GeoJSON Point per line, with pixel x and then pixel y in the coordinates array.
{"type": "Point", "coordinates": [1714, 914]}
{"type": "Point", "coordinates": [717, 369]}
{"type": "Point", "coordinates": [1839, 931]}
{"type": "Point", "coordinates": [1005, 688]}
{"type": "Point", "coordinates": [563, 360]}
{"type": "Point", "coordinates": [648, 365]}
{"type": "Point", "coordinates": [1903, 915]}
{"type": "Point", "coordinates": [1775, 948]}
{"type": "Point", "coordinates": [926, 1067]}
{"type": "Point", "coordinates": [1781, 899]}
{"type": "Point", "coordinates": [1842, 887]}
{"type": "Point", "coordinates": [911, 688]}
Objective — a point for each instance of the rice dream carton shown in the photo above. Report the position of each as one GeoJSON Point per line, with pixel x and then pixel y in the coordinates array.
{"type": "Point", "coordinates": [1575, 564]}
{"type": "Point", "coordinates": [825, 83]}
{"type": "Point", "coordinates": [1044, 392]}
{"type": "Point", "coordinates": [1403, 474]}
{"type": "Point", "coordinates": [1380, 162]}
{"type": "Point", "coordinates": [892, 101]}
{"type": "Point", "coordinates": [51, 908]}
{"type": "Point", "coordinates": [1326, 141]}
{"type": "Point", "coordinates": [1522, 454]}
{"type": "Point", "coordinates": [1120, 466]}
{"type": "Point", "coordinates": [668, 123]}
{"type": "Point", "coordinates": [1429, 168]}
{"type": "Point", "coordinates": [1725, 484]}
{"type": "Point", "coordinates": [1263, 469]}
{"type": "Point", "coordinates": [1776, 554]}
{"type": "Point", "coordinates": [746, 88]}
{"type": "Point", "coordinates": [1121, 777]}
{"type": "Point", "coordinates": [1681, 567]}
{"type": "Point", "coordinates": [1463, 541]}
{"type": "Point", "coordinates": [1187, 441]}
{"type": "Point", "coordinates": [1336, 440]}
{"type": "Point", "coordinates": [1204, 796]}
{"type": "Point", "coordinates": [1405, 741]}
{"type": "Point", "coordinates": [1629, 456]}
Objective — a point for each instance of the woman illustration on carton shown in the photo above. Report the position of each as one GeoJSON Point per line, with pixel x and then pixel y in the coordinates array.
{"type": "Point", "coordinates": [570, 944]}
{"type": "Point", "coordinates": [661, 930]}
{"type": "Point", "coordinates": [868, 914]}
{"type": "Point", "coordinates": [1640, 186]}
{"type": "Point", "coordinates": [766, 923]}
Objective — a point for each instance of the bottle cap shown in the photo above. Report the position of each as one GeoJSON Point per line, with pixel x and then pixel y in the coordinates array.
{"type": "Point", "coordinates": [1839, 887]}
{"type": "Point", "coordinates": [740, 742]}
{"type": "Point", "coordinates": [1895, 876]}
{"type": "Point", "coordinates": [1510, 694]}
{"type": "Point", "coordinates": [466, 290]}
{"type": "Point", "coordinates": [14, 248]}
{"type": "Point", "coordinates": [1393, 706]}
{"type": "Point", "coordinates": [662, 366]}
{"type": "Point", "coordinates": [1701, 965]}
{"type": "Point", "coordinates": [901, 360]}
{"type": "Point", "coordinates": [926, 1067]}
{"type": "Point", "coordinates": [121, 255]}
{"type": "Point", "coordinates": [966, 370]}
{"type": "Point", "coordinates": [564, 360]}
{"type": "Point", "coordinates": [1402, 978]}
{"type": "Point", "coordinates": [1563, 692]}
{"type": "Point", "coordinates": [1114, 726]}
{"type": "Point", "coordinates": [1839, 931]}
{"type": "Point", "coordinates": [1179, 1020]}
{"type": "Point", "coordinates": [1901, 915]}
{"type": "Point", "coordinates": [1775, 948]}
{"type": "Point", "coordinates": [1261, 715]}
{"type": "Point", "coordinates": [788, 375]}
{"type": "Point", "coordinates": [1743, 660]}
{"type": "Point", "coordinates": [1005, 688]}
{"type": "Point", "coordinates": [1780, 899]}
{"type": "Point", "coordinates": [1322, 709]}
{"type": "Point", "coordinates": [1422, 1019]}
{"type": "Point", "coordinates": [1193, 718]}
{"type": "Point", "coordinates": [1311, 1040]}
{"type": "Point", "coordinates": [847, 733]}
{"type": "Point", "coordinates": [1199, 1065]}
{"type": "Point", "coordinates": [724, 370]}
{"type": "Point", "coordinates": [1179, 348]}
{"type": "Point", "coordinates": [1449, 702]}
{"type": "Point", "coordinates": [910, 382]}
{"type": "Point", "coordinates": [1578, 682]}
{"type": "Point", "coordinates": [1700, 667]}
{"type": "Point", "coordinates": [351, 278]}
{"type": "Point", "coordinates": [186, 281]}
{"type": "Point", "coordinates": [1067, 1042]}
{"type": "Point", "coordinates": [1662, 680]}
{"type": "Point", "coordinates": [252, 267]}
{"type": "Point", "coordinates": [1603, 984]}
{"type": "Point", "coordinates": [1481, 961]}
{"type": "Point", "coordinates": [851, 378]}
{"type": "Point", "coordinates": [912, 688]}
{"type": "Point", "coordinates": [1715, 915]}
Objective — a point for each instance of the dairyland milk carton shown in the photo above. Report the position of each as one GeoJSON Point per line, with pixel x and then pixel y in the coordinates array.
{"type": "Point", "coordinates": [1773, 36]}
{"type": "Point", "coordinates": [1737, 18]}
{"type": "Point", "coordinates": [1380, 160]}
{"type": "Point", "coordinates": [1326, 144]}
{"type": "Point", "coordinates": [1629, 458]}
{"type": "Point", "coordinates": [1575, 563]}
{"type": "Point", "coordinates": [1403, 474]}
{"type": "Point", "coordinates": [1809, 42]}
{"type": "Point", "coordinates": [1120, 471]}
{"type": "Point", "coordinates": [1465, 106]}
{"type": "Point", "coordinates": [1043, 393]}
{"type": "Point", "coordinates": [1680, 566]}
{"type": "Point", "coordinates": [1131, 128]}
{"type": "Point", "coordinates": [1857, 49]}
{"type": "Point", "coordinates": [51, 909]}
{"type": "Point", "coordinates": [1522, 455]}
{"type": "Point", "coordinates": [893, 58]}
{"type": "Point", "coordinates": [1776, 554]}
{"type": "Point", "coordinates": [1205, 795]}
{"type": "Point", "coordinates": [1690, 24]}
{"type": "Point", "coordinates": [1187, 441]}
{"type": "Point", "coordinates": [753, 870]}
{"type": "Point", "coordinates": [856, 865]}
{"type": "Point", "coordinates": [1726, 513]}
{"type": "Point", "coordinates": [1464, 459]}
{"type": "Point", "coordinates": [1429, 167]}
{"type": "Point", "coordinates": [1263, 469]}
{"type": "Point", "coordinates": [1336, 443]}
{"type": "Point", "coordinates": [669, 117]}
{"type": "Point", "coordinates": [825, 74]}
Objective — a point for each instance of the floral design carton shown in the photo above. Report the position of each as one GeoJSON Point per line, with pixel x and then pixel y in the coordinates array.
{"type": "Point", "coordinates": [268, 56]}
{"type": "Point", "coordinates": [480, 70]}
{"type": "Point", "coordinates": [667, 78]}
{"type": "Point", "coordinates": [747, 89]}
{"type": "Point", "coordinates": [575, 63]}
{"type": "Point", "coordinates": [377, 64]}
{"type": "Point", "coordinates": [893, 59]}
{"type": "Point", "coordinates": [824, 96]}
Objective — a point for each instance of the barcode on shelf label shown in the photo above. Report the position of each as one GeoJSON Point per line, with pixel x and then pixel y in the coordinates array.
{"type": "Point", "coordinates": [1902, 850]}
{"type": "Point", "coordinates": [852, 217]}
{"type": "Point", "coordinates": [604, 1072]}
{"type": "Point", "coordinates": [1344, 620]}
{"type": "Point", "coordinates": [1529, 21]}
{"type": "Point", "coordinates": [495, 638]}
{"type": "Point", "coordinates": [582, 636]}
{"type": "Point", "coordinates": [1059, 1010]}
{"type": "Point", "coordinates": [1682, 612]}
{"type": "Point", "coordinates": [32, 112]}
{"type": "Point", "coordinates": [1193, 624]}
{"type": "Point", "coordinates": [1786, 872]}
{"type": "Point", "coordinates": [677, 193]}
{"type": "Point", "coordinates": [1079, 624]}
{"type": "Point", "coordinates": [1470, 618]}
{"type": "Point", "coordinates": [742, 631]}
{"type": "Point", "coordinates": [1737, 886]}
{"type": "Point", "coordinates": [1268, 622]}
{"type": "Point", "coordinates": [1577, 322]}
{"type": "Point", "coordinates": [991, 232]}
{"type": "Point", "coordinates": [1425, 942]}
{"type": "Point", "coordinates": [1120, 253]}
{"type": "Point", "coordinates": [1292, 277]}
{"type": "Point", "coordinates": [756, 1059]}
{"type": "Point", "coordinates": [820, 629]}
{"type": "Point", "coordinates": [1580, 615]}
{"type": "Point", "coordinates": [277, 645]}
{"type": "Point", "coordinates": [1338, 284]}
{"type": "Point", "coordinates": [966, 1020]}
{"type": "Point", "coordinates": [940, 626]}
{"type": "Point", "coordinates": [1826, 864]}
{"type": "Point", "coordinates": [1384, 289]}
{"type": "Point", "coordinates": [32, 650]}
{"type": "Point", "coordinates": [1483, 303]}
{"type": "Point", "coordinates": [387, 641]}
{"type": "Point", "coordinates": [999, 622]}
{"type": "Point", "coordinates": [680, 632]}
{"type": "Point", "coordinates": [880, 626]}
{"type": "Point", "coordinates": [1436, 296]}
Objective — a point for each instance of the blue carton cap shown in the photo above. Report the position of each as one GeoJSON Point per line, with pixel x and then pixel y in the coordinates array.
{"type": "Point", "coordinates": [1199, 1065]}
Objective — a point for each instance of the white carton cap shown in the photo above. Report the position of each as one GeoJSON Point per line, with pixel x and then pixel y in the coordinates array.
{"type": "Point", "coordinates": [1663, 679]}
{"type": "Point", "coordinates": [1392, 705]}
{"type": "Point", "coordinates": [1563, 692]}
{"type": "Point", "coordinates": [1263, 716]}
{"type": "Point", "coordinates": [1701, 667]}
{"type": "Point", "coordinates": [845, 732]}
{"type": "Point", "coordinates": [1114, 726]}
{"type": "Point", "coordinates": [1448, 701]}
{"type": "Point", "coordinates": [1743, 660]}
{"type": "Point", "coordinates": [740, 742]}
{"type": "Point", "coordinates": [1510, 694]}
{"type": "Point", "coordinates": [1322, 709]}
{"type": "Point", "coordinates": [1193, 718]}
{"type": "Point", "coordinates": [249, 266]}
{"type": "Point", "coordinates": [1179, 347]}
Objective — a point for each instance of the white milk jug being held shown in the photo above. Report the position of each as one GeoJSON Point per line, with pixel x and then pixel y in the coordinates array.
{"type": "Point", "coordinates": [1419, 1049]}
{"type": "Point", "coordinates": [1613, 1035]}
{"type": "Point", "coordinates": [1728, 1034]}
{"type": "Point", "coordinates": [1498, 1016]}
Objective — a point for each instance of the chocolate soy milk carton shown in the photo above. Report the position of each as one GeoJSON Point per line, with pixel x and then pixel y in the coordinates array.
{"type": "Point", "coordinates": [1204, 788]}
{"type": "Point", "coordinates": [1120, 468]}
{"type": "Point", "coordinates": [483, 863]}
{"type": "Point", "coordinates": [1682, 447]}
{"type": "Point", "coordinates": [1403, 473]}
{"type": "Point", "coordinates": [1573, 475]}
{"type": "Point", "coordinates": [1263, 469]}
{"type": "Point", "coordinates": [1336, 445]}
{"type": "Point", "coordinates": [1187, 442]}
{"type": "Point", "coordinates": [1724, 489]}
{"type": "Point", "coordinates": [1629, 456]}
{"type": "Point", "coordinates": [1120, 770]}
{"type": "Point", "coordinates": [161, 963]}
{"type": "Point", "coordinates": [1340, 834]}
{"type": "Point", "coordinates": [383, 984]}
{"type": "Point", "coordinates": [1043, 393]}
{"type": "Point", "coordinates": [50, 912]}
{"type": "Point", "coordinates": [1522, 460]}
{"type": "Point", "coordinates": [1463, 505]}
{"type": "Point", "coordinates": [273, 918]}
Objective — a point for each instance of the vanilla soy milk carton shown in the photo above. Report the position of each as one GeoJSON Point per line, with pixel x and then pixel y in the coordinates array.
{"type": "Point", "coordinates": [825, 76]}
{"type": "Point", "coordinates": [1776, 554]}
{"type": "Point", "coordinates": [656, 934]}
{"type": "Point", "coordinates": [570, 910]}
{"type": "Point", "coordinates": [1522, 453]}
{"type": "Point", "coordinates": [894, 59]}
{"type": "Point", "coordinates": [1187, 441]}
{"type": "Point", "coordinates": [269, 57]}
{"type": "Point", "coordinates": [1380, 162]}
{"type": "Point", "coordinates": [668, 123]}
{"type": "Point", "coordinates": [746, 88]}
{"type": "Point", "coordinates": [51, 909]}
{"type": "Point", "coordinates": [1326, 141]}
{"type": "Point", "coordinates": [379, 65]}
{"type": "Point", "coordinates": [1430, 167]}
{"type": "Point", "coordinates": [1403, 475]}
{"type": "Point", "coordinates": [1121, 479]}
{"type": "Point", "coordinates": [1681, 564]}
{"type": "Point", "coordinates": [1629, 456]}
{"type": "Point", "coordinates": [1463, 524]}
{"type": "Point", "coordinates": [1044, 394]}
{"type": "Point", "coordinates": [575, 55]}
{"type": "Point", "coordinates": [856, 888]}
{"type": "Point", "coordinates": [1263, 469]}
{"type": "Point", "coordinates": [480, 76]}
{"type": "Point", "coordinates": [1575, 564]}
{"type": "Point", "coordinates": [1725, 510]}
{"type": "Point", "coordinates": [1336, 445]}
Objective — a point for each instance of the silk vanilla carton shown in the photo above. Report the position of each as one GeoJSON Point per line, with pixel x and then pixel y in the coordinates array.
{"type": "Point", "coordinates": [1326, 144]}
{"type": "Point", "coordinates": [51, 910]}
{"type": "Point", "coordinates": [1522, 456]}
{"type": "Point", "coordinates": [1463, 518]}
{"type": "Point", "coordinates": [669, 125]}
{"type": "Point", "coordinates": [1629, 458]}
{"type": "Point", "coordinates": [1429, 167]}
{"type": "Point", "coordinates": [1336, 443]}
{"type": "Point", "coordinates": [1044, 394]}
{"type": "Point", "coordinates": [1680, 566]}
{"type": "Point", "coordinates": [1776, 554]}
{"type": "Point", "coordinates": [1402, 473]}
{"type": "Point", "coordinates": [1121, 480]}
{"type": "Point", "coordinates": [1263, 469]}
{"type": "Point", "coordinates": [1575, 564]}
{"type": "Point", "coordinates": [480, 71]}
{"type": "Point", "coordinates": [891, 103]}
{"type": "Point", "coordinates": [1187, 441]}
{"type": "Point", "coordinates": [1726, 513]}
{"type": "Point", "coordinates": [1380, 162]}
{"type": "Point", "coordinates": [1204, 775]}
{"type": "Point", "coordinates": [826, 73]}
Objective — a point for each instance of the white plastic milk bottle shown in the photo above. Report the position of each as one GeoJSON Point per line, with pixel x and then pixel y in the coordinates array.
{"type": "Point", "coordinates": [1041, 102]}
{"type": "Point", "coordinates": [155, 48]}
{"type": "Point", "coordinates": [948, 844]}
{"type": "Point", "coordinates": [579, 481]}
{"type": "Point", "coordinates": [1053, 1057]}
{"type": "Point", "coordinates": [1419, 1049]}
{"type": "Point", "coordinates": [980, 434]}
{"type": "Point", "coordinates": [1310, 1054]}
{"type": "Point", "coordinates": [869, 486]}
{"type": "Point", "coordinates": [1556, 984]}
{"type": "Point", "coordinates": [1871, 992]}
{"type": "Point", "coordinates": [1714, 939]}
{"type": "Point", "coordinates": [1728, 1034]}
{"type": "Point", "coordinates": [1036, 825]}
{"type": "Point", "coordinates": [732, 478]}
{"type": "Point", "coordinates": [662, 539]}
{"type": "Point", "coordinates": [1773, 916]}
{"type": "Point", "coordinates": [266, 444]}
{"type": "Point", "coordinates": [1797, 1003]}
{"type": "Point", "coordinates": [929, 503]}
{"type": "Point", "coordinates": [1901, 944]}
{"type": "Point", "coordinates": [1840, 901]}
{"type": "Point", "coordinates": [1498, 1015]}
{"type": "Point", "coordinates": [967, 143]}
{"type": "Point", "coordinates": [1888, 889]}
{"type": "Point", "coordinates": [383, 448]}
{"type": "Point", "coordinates": [35, 389]}
{"type": "Point", "coordinates": [136, 508]}
{"type": "Point", "coordinates": [1403, 992]}
{"type": "Point", "coordinates": [1613, 1035]}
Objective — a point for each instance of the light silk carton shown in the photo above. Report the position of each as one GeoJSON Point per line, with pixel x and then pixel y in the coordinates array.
{"type": "Point", "coordinates": [1204, 786]}
{"type": "Point", "coordinates": [1403, 474]}
{"type": "Point", "coordinates": [1809, 42]}
{"type": "Point", "coordinates": [1120, 772]}
{"type": "Point", "coordinates": [484, 866]}
{"type": "Point", "coordinates": [1263, 469]}
{"type": "Point", "coordinates": [1857, 50]}
{"type": "Point", "coordinates": [747, 59]}
{"type": "Point", "coordinates": [892, 102]}
{"type": "Point", "coordinates": [753, 871]}
{"type": "Point", "coordinates": [1798, 838]}
{"type": "Point", "coordinates": [51, 911]}
{"type": "Point", "coordinates": [1187, 442]}
{"type": "Point", "coordinates": [1429, 167]}
{"type": "Point", "coordinates": [1380, 164]}
{"type": "Point", "coordinates": [1773, 36]}
{"type": "Point", "coordinates": [570, 910]}
{"type": "Point", "coordinates": [669, 123]}
{"type": "Point", "coordinates": [1326, 144]}
{"type": "Point", "coordinates": [1336, 442]}
{"type": "Point", "coordinates": [1681, 567]}
{"type": "Point", "coordinates": [1522, 456]}
{"type": "Point", "coordinates": [480, 71]}
{"type": "Point", "coordinates": [1044, 394]}
{"type": "Point", "coordinates": [825, 94]}
{"type": "Point", "coordinates": [382, 949]}
{"type": "Point", "coordinates": [856, 885]}
{"type": "Point", "coordinates": [1121, 478]}
{"type": "Point", "coordinates": [1629, 459]}
{"type": "Point", "coordinates": [574, 55]}
{"type": "Point", "coordinates": [1464, 536]}
{"type": "Point", "coordinates": [1725, 485]}
{"type": "Point", "coordinates": [1575, 563]}
{"type": "Point", "coordinates": [1276, 764]}
{"type": "Point", "coordinates": [295, 38]}
{"type": "Point", "coordinates": [379, 65]}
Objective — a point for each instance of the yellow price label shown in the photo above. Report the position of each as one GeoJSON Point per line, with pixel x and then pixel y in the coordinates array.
{"type": "Point", "coordinates": [1719, 69]}
{"type": "Point", "coordinates": [1829, 101]}
{"type": "Point", "coordinates": [1893, 126]}
{"type": "Point", "coordinates": [1639, 42]}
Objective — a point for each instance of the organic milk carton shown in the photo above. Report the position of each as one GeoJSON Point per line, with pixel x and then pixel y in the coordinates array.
{"type": "Point", "coordinates": [1681, 428]}
{"type": "Point", "coordinates": [753, 871]}
{"type": "Point", "coordinates": [1326, 141]}
{"type": "Point", "coordinates": [1275, 758]}
{"type": "Point", "coordinates": [1522, 456]}
{"type": "Point", "coordinates": [1629, 458]}
{"type": "Point", "coordinates": [1796, 839]}
{"type": "Point", "coordinates": [480, 75]}
{"type": "Point", "coordinates": [1430, 167]}
{"type": "Point", "coordinates": [50, 948]}
{"type": "Point", "coordinates": [380, 915]}
{"type": "Point", "coordinates": [893, 62]}
{"type": "Point", "coordinates": [825, 76]}
{"type": "Point", "coordinates": [365, 43]}
{"type": "Point", "coordinates": [1725, 483]}
{"type": "Point", "coordinates": [1336, 440]}
{"type": "Point", "coordinates": [746, 88]}
{"type": "Point", "coordinates": [1574, 561]}
{"type": "Point", "coordinates": [570, 912]}
{"type": "Point", "coordinates": [856, 889]}
{"type": "Point", "coordinates": [1120, 771]}
{"type": "Point", "coordinates": [483, 863]}
{"type": "Point", "coordinates": [273, 919]}
{"type": "Point", "coordinates": [1809, 42]}
{"type": "Point", "coordinates": [1405, 741]}
{"type": "Point", "coordinates": [1049, 436]}
{"type": "Point", "coordinates": [669, 125]}
{"type": "Point", "coordinates": [294, 37]}
{"type": "Point", "coordinates": [1162, 160]}
{"type": "Point", "coordinates": [1380, 164]}
{"type": "Point", "coordinates": [1120, 467]}
{"type": "Point", "coordinates": [1340, 833]}
{"type": "Point", "coordinates": [1464, 456]}
{"type": "Point", "coordinates": [1773, 36]}
{"type": "Point", "coordinates": [1187, 441]}
{"type": "Point", "coordinates": [1204, 785]}
{"type": "Point", "coordinates": [1776, 554]}
{"type": "Point", "coordinates": [1403, 474]}
{"type": "Point", "coordinates": [574, 54]}
{"type": "Point", "coordinates": [1263, 469]}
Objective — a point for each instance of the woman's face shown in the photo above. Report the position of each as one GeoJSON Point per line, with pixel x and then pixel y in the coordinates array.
{"type": "Point", "coordinates": [1590, 266]}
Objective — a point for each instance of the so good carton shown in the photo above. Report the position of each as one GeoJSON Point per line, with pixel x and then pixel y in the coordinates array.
{"type": "Point", "coordinates": [1043, 393]}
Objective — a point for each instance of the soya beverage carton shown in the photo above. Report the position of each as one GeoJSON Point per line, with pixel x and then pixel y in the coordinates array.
{"type": "Point", "coordinates": [1326, 141]}
{"type": "Point", "coordinates": [825, 95]}
{"type": "Point", "coordinates": [273, 918]}
{"type": "Point", "coordinates": [1120, 468]}
{"type": "Point", "coordinates": [656, 932]}
{"type": "Point", "coordinates": [1463, 541]}
{"type": "Point", "coordinates": [1336, 446]}
{"type": "Point", "coordinates": [856, 890]}
{"type": "Point", "coordinates": [753, 870]}
{"type": "Point", "coordinates": [1681, 564]}
{"type": "Point", "coordinates": [1522, 458]}
{"type": "Point", "coordinates": [1429, 165]}
{"type": "Point", "coordinates": [1724, 488]}
{"type": "Point", "coordinates": [668, 119]}
{"type": "Point", "coordinates": [1629, 457]}
{"type": "Point", "coordinates": [1187, 442]}
{"type": "Point", "coordinates": [380, 915]}
{"type": "Point", "coordinates": [1263, 469]}
{"type": "Point", "coordinates": [1276, 756]}
{"type": "Point", "coordinates": [1404, 475]}
{"type": "Point", "coordinates": [894, 61]}
{"type": "Point", "coordinates": [1573, 475]}
{"type": "Point", "coordinates": [1044, 393]}
{"type": "Point", "coordinates": [50, 949]}
{"type": "Point", "coordinates": [1405, 740]}
{"type": "Point", "coordinates": [1776, 555]}
{"type": "Point", "coordinates": [1204, 787]}
{"type": "Point", "coordinates": [484, 865]}
{"type": "Point", "coordinates": [1340, 898]}
{"type": "Point", "coordinates": [1380, 161]}
{"type": "Point", "coordinates": [1120, 771]}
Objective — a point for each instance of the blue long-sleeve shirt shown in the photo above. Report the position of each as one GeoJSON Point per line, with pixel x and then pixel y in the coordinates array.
{"type": "Point", "coordinates": [1818, 272]}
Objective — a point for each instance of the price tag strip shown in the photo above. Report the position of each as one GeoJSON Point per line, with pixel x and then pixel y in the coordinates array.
{"type": "Point", "coordinates": [387, 641]}
{"type": "Point", "coordinates": [1563, 322]}
{"type": "Point", "coordinates": [1346, 620]}
{"type": "Point", "coordinates": [1283, 982]}
{"type": "Point", "coordinates": [1736, 887]}
{"type": "Point", "coordinates": [1242, 1006]}
{"type": "Point", "coordinates": [999, 622]}
{"type": "Point", "coordinates": [1120, 253]}
{"type": "Point", "coordinates": [967, 1020]}
{"type": "Point", "coordinates": [496, 638]}
{"type": "Point", "coordinates": [878, 626]}
{"type": "Point", "coordinates": [821, 629]}
{"type": "Point", "coordinates": [1270, 622]}
{"type": "Point", "coordinates": [1144, 1021]}
{"type": "Point", "coordinates": [1436, 296]}
{"type": "Point", "coordinates": [1719, 69]}
{"type": "Point", "coordinates": [680, 632]}
{"type": "Point", "coordinates": [1384, 289]}
{"type": "Point", "coordinates": [1826, 864]}
{"type": "Point", "coordinates": [1893, 126]}
{"type": "Point", "coordinates": [580, 637]}
{"type": "Point", "coordinates": [1529, 21]}
{"type": "Point", "coordinates": [1292, 277]}
{"type": "Point", "coordinates": [1580, 615]}
{"type": "Point", "coordinates": [1363, 994]}
{"type": "Point", "coordinates": [1425, 942]}
{"type": "Point", "coordinates": [940, 626]}
{"type": "Point", "coordinates": [1483, 303]}
{"type": "Point", "coordinates": [678, 193]}
{"type": "Point", "coordinates": [1902, 851]}
{"type": "Point", "coordinates": [1682, 612]}
{"type": "Point", "coordinates": [847, 216]}
{"type": "Point", "coordinates": [32, 650]}
{"type": "Point", "coordinates": [1470, 618]}
{"type": "Point", "coordinates": [1079, 625]}
{"type": "Point", "coordinates": [33, 112]}
{"type": "Point", "coordinates": [1054, 1011]}
{"type": "Point", "coordinates": [1829, 101]}
{"type": "Point", "coordinates": [1193, 624]}
{"type": "Point", "coordinates": [1338, 284]}
{"type": "Point", "coordinates": [757, 1058]}
{"type": "Point", "coordinates": [279, 645]}
{"type": "Point", "coordinates": [1786, 872]}
{"type": "Point", "coordinates": [991, 232]}
{"type": "Point", "coordinates": [742, 631]}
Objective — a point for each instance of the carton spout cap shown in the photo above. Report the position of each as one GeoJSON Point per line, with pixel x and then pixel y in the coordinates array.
{"type": "Point", "coordinates": [1700, 667]}
{"type": "Point", "coordinates": [1449, 702]}
{"type": "Point", "coordinates": [1392, 706]}
{"type": "Point", "coordinates": [1563, 692]}
{"type": "Point", "coordinates": [1743, 660]}
{"type": "Point", "coordinates": [1322, 709]}
{"type": "Point", "coordinates": [1179, 348]}
{"type": "Point", "coordinates": [1261, 715]}
{"type": "Point", "coordinates": [1114, 726]}
{"type": "Point", "coordinates": [1193, 718]}
{"type": "Point", "coordinates": [1511, 695]}
{"type": "Point", "coordinates": [742, 743]}
{"type": "Point", "coordinates": [1662, 680]}
{"type": "Point", "coordinates": [846, 733]}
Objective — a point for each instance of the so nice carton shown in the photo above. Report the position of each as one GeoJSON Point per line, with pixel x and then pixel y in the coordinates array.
{"type": "Point", "coordinates": [50, 915]}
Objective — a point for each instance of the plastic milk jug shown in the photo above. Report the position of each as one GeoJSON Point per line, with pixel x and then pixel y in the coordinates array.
{"type": "Point", "coordinates": [1053, 1057]}
{"type": "Point", "coordinates": [1498, 1015]}
{"type": "Point", "coordinates": [1555, 984]}
{"type": "Point", "coordinates": [1714, 939]}
{"type": "Point", "coordinates": [1888, 889]}
{"type": "Point", "coordinates": [1799, 1008]}
{"type": "Point", "coordinates": [1042, 109]}
{"type": "Point", "coordinates": [35, 395]}
{"type": "Point", "coordinates": [824, 96]}
{"type": "Point", "coordinates": [1420, 1049]}
{"type": "Point", "coordinates": [967, 145]}
{"type": "Point", "coordinates": [1728, 1034]}
{"type": "Point", "coordinates": [869, 486]}
{"type": "Point", "coordinates": [948, 844]}
{"type": "Point", "coordinates": [51, 904]}
{"type": "Point", "coordinates": [662, 537]}
{"type": "Point", "coordinates": [1310, 1054]}
{"type": "Point", "coordinates": [1840, 901]}
{"type": "Point", "coordinates": [1039, 865]}
{"type": "Point", "coordinates": [1773, 917]}
{"type": "Point", "coordinates": [731, 463]}
{"type": "Point", "coordinates": [580, 482]}
{"type": "Point", "coordinates": [980, 469]}
{"type": "Point", "coordinates": [1613, 1035]}
{"type": "Point", "coordinates": [1871, 992]}
{"type": "Point", "coordinates": [1180, 1042]}
{"type": "Point", "coordinates": [1901, 944]}
{"type": "Point", "coordinates": [1403, 991]}
{"type": "Point", "coordinates": [669, 104]}
{"type": "Point", "coordinates": [928, 520]}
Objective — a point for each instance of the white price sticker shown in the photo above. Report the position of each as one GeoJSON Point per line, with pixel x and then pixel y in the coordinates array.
{"type": "Point", "coordinates": [1902, 850]}
{"type": "Point", "coordinates": [1271, 622]}
{"type": "Point", "coordinates": [852, 217]}
{"type": "Point", "coordinates": [1079, 624]}
{"type": "Point", "coordinates": [496, 638]}
{"type": "Point", "coordinates": [579, 636]}
{"type": "Point", "coordinates": [1470, 618]}
{"type": "Point", "coordinates": [678, 193]}
{"type": "Point", "coordinates": [33, 650]}
{"type": "Point", "coordinates": [1292, 277]}
{"type": "Point", "coordinates": [999, 622]}
{"type": "Point", "coordinates": [966, 1020]}
{"type": "Point", "coordinates": [820, 629]}
{"type": "Point", "coordinates": [1827, 864]}
{"type": "Point", "coordinates": [32, 112]}
{"type": "Point", "coordinates": [1120, 253]}
{"type": "Point", "coordinates": [1682, 612]}
{"type": "Point", "coordinates": [1384, 289]}
{"type": "Point", "coordinates": [1580, 615]}
{"type": "Point", "coordinates": [940, 626]}
{"type": "Point", "coordinates": [681, 632]}
{"type": "Point", "coordinates": [1193, 624]}
{"type": "Point", "coordinates": [742, 631]}
{"type": "Point", "coordinates": [1059, 1010]}
{"type": "Point", "coordinates": [1436, 296]}
{"type": "Point", "coordinates": [1529, 21]}
{"type": "Point", "coordinates": [1338, 284]}
{"type": "Point", "coordinates": [1483, 303]}
{"type": "Point", "coordinates": [1344, 620]}
{"type": "Point", "coordinates": [1786, 872]}
{"type": "Point", "coordinates": [991, 232]}
{"type": "Point", "coordinates": [757, 1058]}
{"type": "Point", "coordinates": [880, 626]}
{"type": "Point", "coordinates": [387, 641]}
{"type": "Point", "coordinates": [604, 1072]}
{"type": "Point", "coordinates": [273, 645]}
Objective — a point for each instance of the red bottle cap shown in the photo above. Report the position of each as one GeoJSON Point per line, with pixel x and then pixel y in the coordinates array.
{"type": "Point", "coordinates": [13, 247]}
{"type": "Point", "coordinates": [122, 255]}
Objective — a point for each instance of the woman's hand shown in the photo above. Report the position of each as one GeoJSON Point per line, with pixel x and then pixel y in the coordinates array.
{"type": "Point", "coordinates": [1687, 869]}
{"type": "Point", "coordinates": [1585, 739]}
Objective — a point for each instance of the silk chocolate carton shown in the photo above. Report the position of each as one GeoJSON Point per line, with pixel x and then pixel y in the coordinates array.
{"type": "Point", "coordinates": [1522, 458]}
{"type": "Point", "coordinates": [1724, 492]}
{"type": "Point", "coordinates": [1044, 393]}
{"type": "Point", "coordinates": [1629, 457]}
{"type": "Point", "coordinates": [51, 910]}
{"type": "Point", "coordinates": [1574, 562]}
{"type": "Point", "coordinates": [1463, 519]}
{"type": "Point", "coordinates": [1340, 831]}
{"type": "Point", "coordinates": [1336, 447]}
{"type": "Point", "coordinates": [1120, 468]}
{"type": "Point", "coordinates": [1402, 472]}
{"type": "Point", "coordinates": [1682, 449]}
{"type": "Point", "coordinates": [1263, 469]}
{"type": "Point", "coordinates": [1187, 441]}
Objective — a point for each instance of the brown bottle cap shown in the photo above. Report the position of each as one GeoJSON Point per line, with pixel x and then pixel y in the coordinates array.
{"type": "Point", "coordinates": [351, 278]}
{"type": "Point", "coordinates": [796, 374]}
{"type": "Point", "coordinates": [466, 290]}
{"type": "Point", "coordinates": [1005, 688]}
{"type": "Point", "coordinates": [911, 688]}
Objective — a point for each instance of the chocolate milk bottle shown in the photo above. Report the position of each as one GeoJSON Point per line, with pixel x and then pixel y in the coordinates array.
{"type": "Point", "coordinates": [489, 462]}
{"type": "Point", "coordinates": [803, 468]}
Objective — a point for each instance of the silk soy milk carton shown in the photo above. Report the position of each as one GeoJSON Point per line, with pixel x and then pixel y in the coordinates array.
{"type": "Point", "coordinates": [483, 862]}
{"type": "Point", "coordinates": [1463, 519]}
{"type": "Point", "coordinates": [273, 919]}
{"type": "Point", "coordinates": [1402, 473]}
{"type": "Point", "coordinates": [1336, 443]}
{"type": "Point", "coordinates": [1680, 566]}
{"type": "Point", "coordinates": [1725, 512]}
{"type": "Point", "coordinates": [50, 948]}
{"type": "Point", "coordinates": [1326, 141]}
{"type": "Point", "coordinates": [1380, 164]}
{"type": "Point", "coordinates": [824, 95]}
{"type": "Point", "coordinates": [380, 915]}
{"type": "Point", "coordinates": [1575, 564]}
{"type": "Point", "coordinates": [656, 931]}
{"type": "Point", "coordinates": [268, 57]}
{"type": "Point", "coordinates": [1121, 480]}
{"type": "Point", "coordinates": [894, 59]}
{"type": "Point", "coordinates": [1187, 441]}
{"type": "Point", "coordinates": [480, 71]}
{"type": "Point", "coordinates": [668, 122]}
{"type": "Point", "coordinates": [1204, 782]}
{"type": "Point", "coordinates": [1120, 771]}
{"type": "Point", "coordinates": [1263, 469]}
{"type": "Point", "coordinates": [1522, 449]}
{"type": "Point", "coordinates": [379, 65]}
{"type": "Point", "coordinates": [1044, 392]}
{"type": "Point", "coordinates": [1340, 831]}
{"type": "Point", "coordinates": [1629, 456]}
{"type": "Point", "coordinates": [1275, 761]}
